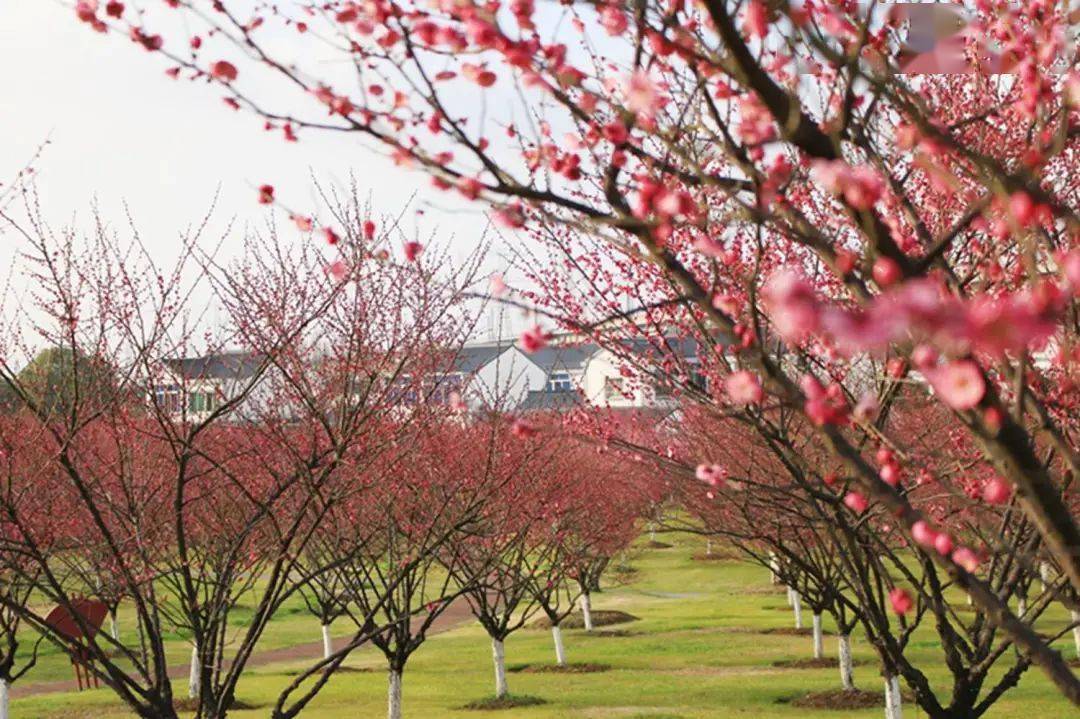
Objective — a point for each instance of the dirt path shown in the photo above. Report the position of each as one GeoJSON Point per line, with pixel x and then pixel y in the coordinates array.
{"type": "Point", "coordinates": [457, 614]}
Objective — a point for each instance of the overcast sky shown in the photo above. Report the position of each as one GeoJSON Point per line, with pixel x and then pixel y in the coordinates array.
{"type": "Point", "coordinates": [121, 131]}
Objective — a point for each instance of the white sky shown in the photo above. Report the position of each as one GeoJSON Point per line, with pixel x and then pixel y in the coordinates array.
{"type": "Point", "coordinates": [123, 132]}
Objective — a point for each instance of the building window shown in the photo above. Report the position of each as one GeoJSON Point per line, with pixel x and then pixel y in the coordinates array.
{"type": "Point", "coordinates": [699, 381]}
{"type": "Point", "coordinates": [560, 382]}
{"type": "Point", "coordinates": [613, 388]}
{"type": "Point", "coordinates": [202, 402]}
{"type": "Point", "coordinates": [168, 399]}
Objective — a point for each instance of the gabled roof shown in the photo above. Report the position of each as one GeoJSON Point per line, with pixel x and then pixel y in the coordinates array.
{"type": "Point", "coordinates": [472, 357]}
{"type": "Point", "coordinates": [226, 365]}
{"type": "Point", "coordinates": [546, 400]}
{"type": "Point", "coordinates": [563, 358]}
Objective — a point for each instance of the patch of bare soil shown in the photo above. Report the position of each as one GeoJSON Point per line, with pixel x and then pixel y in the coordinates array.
{"type": "Point", "coordinates": [571, 668]}
{"type": "Point", "coordinates": [811, 663]}
{"type": "Point", "coordinates": [653, 544]}
{"type": "Point", "coordinates": [767, 589]}
{"type": "Point", "coordinates": [839, 699]}
{"type": "Point", "coordinates": [508, 702]}
{"type": "Point", "coordinates": [600, 618]}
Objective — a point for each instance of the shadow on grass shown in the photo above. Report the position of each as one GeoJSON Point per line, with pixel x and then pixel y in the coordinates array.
{"type": "Point", "coordinates": [339, 670]}
{"type": "Point", "coordinates": [783, 631]}
{"type": "Point", "coordinates": [190, 705]}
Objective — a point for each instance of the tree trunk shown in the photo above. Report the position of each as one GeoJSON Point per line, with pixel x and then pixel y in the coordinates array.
{"type": "Point", "coordinates": [847, 680]}
{"type": "Point", "coordinates": [560, 652]}
{"type": "Point", "coordinates": [193, 673]}
{"type": "Point", "coordinates": [1044, 574]}
{"type": "Point", "coordinates": [497, 653]}
{"type": "Point", "coordinates": [1021, 607]}
{"type": "Point", "coordinates": [393, 702]}
{"type": "Point", "coordinates": [819, 640]}
{"type": "Point", "coordinates": [1075, 614]}
{"type": "Point", "coordinates": [327, 642]}
{"type": "Point", "coordinates": [790, 595]}
{"type": "Point", "coordinates": [796, 604]}
{"type": "Point", "coordinates": [774, 576]}
{"type": "Point", "coordinates": [586, 611]}
{"type": "Point", "coordinates": [708, 547]}
{"type": "Point", "coordinates": [3, 699]}
{"type": "Point", "coordinates": [893, 701]}
{"type": "Point", "coordinates": [114, 626]}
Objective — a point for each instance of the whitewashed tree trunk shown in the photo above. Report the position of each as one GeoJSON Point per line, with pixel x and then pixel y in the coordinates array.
{"type": "Point", "coordinates": [652, 532]}
{"type": "Point", "coordinates": [797, 606]}
{"type": "Point", "coordinates": [560, 651]}
{"type": "Point", "coordinates": [1021, 607]}
{"type": "Point", "coordinates": [774, 575]}
{"type": "Point", "coordinates": [194, 675]}
{"type": "Point", "coordinates": [708, 547]}
{"type": "Point", "coordinates": [847, 679]}
{"type": "Point", "coordinates": [790, 597]}
{"type": "Point", "coordinates": [1044, 574]}
{"type": "Point", "coordinates": [586, 611]}
{"type": "Point", "coordinates": [893, 702]}
{"type": "Point", "coordinates": [1075, 614]}
{"type": "Point", "coordinates": [498, 654]}
{"type": "Point", "coordinates": [114, 626]}
{"type": "Point", "coordinates": [393, 700]}
{"type": "Point", "coordinates": [3, 699]}
{"type": "Point", "coordinates": [327, 642]}
{"type": "Point", "coordinates": [819, 639]}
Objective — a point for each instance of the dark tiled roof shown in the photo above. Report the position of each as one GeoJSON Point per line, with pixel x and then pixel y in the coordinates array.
{"type": "Point", "coordinates": [546, 400]}
{"type": "Point", "coordinates": [227, 365]}
{"type": "Point", "coordinates": [472, 357]}
{"type": "Point", "coordinates": [555, 358]}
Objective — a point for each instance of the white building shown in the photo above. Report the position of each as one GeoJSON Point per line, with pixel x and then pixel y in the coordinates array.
{"type": "Point", "coordinates": [492, 374]}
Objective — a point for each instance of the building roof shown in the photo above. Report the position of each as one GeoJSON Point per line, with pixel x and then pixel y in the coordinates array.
{"type": "Point", "coordinates": [563, 358]}
{"type": "Point", "coordinates": [538, 400]}
{"type": "Point", "coordinates": [225, 365]}
{"type": "Point", "coordinates": [472, 357]}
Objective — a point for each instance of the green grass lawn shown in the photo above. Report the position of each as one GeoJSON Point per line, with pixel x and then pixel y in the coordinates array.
{"type": "Point", "coordinates": [693, 654]}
